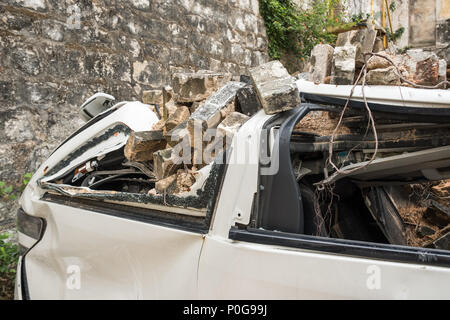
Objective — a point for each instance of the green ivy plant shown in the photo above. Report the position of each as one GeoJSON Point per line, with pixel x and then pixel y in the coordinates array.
{"type": "Point", "coordinates": [26, 179]}
{"type": "Point", "coordinates": [9, 253]}
{"type": "Point", "coordinates": [6, 192]}
{"type": "Point", "coordinates": [291, 29]}
{"type": "Point", "coordinates": [396, 35]}
{"type": "Point", "coordinates": [360, 17]}
{"type": "Point", "coordinates": [392, 6]}
{"type": "Point", "coordinates": [390, 36]}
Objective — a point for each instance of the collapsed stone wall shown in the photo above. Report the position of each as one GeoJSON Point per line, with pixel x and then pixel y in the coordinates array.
{"type": "Point", "coordinates": [54, 54]}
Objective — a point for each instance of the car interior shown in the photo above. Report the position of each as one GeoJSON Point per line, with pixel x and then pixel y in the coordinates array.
{"type": "Point", "coordinates": [399, 198]}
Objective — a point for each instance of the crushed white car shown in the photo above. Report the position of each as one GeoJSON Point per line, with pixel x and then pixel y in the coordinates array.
{"type": "Point", "coordinates": [289, 204]}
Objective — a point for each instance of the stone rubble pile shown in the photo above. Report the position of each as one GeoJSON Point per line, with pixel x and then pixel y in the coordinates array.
{"type": "Point", "coordinates": [196, 103]}
{"type": "Point", "coordinates": [421, 210]}
{"type": "Point", "coordinates": [341, 65]}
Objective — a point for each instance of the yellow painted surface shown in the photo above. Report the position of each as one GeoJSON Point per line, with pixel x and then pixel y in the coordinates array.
{"type": "Point", "coordinates": [445, 9]}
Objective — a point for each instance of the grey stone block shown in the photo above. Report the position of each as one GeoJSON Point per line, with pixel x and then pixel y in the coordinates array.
{"type": "Point", "coordinates": [321, 62]}
{"type": "Point", "coordinates": [231, 124]}
{"type": "Point", "coordinates": [343, 70]}
{"type": "Point", "coordinates": [276, 89]}
{"type": "Point", "coordinates": [191, 87]}
{"type": "Point", "coordinates": [141, 145]}
{"type": "Point", "coordinates": [164, 163]}
{"type": "Point", "coordinates": [386, 76]}
{"type": "Point", "coordinates": [363, 40]}
{"type": "Point", "coordinates": [210, 112]}
{"type": "Point", "coordinates": [247, 101]}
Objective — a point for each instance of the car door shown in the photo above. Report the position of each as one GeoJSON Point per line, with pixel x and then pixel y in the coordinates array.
{"type": "Point", "coordinates": [88, 252]}
{"type": "Point", "coordinates": [253, 252]}
{"type": "Point", "coordinates": [276, 268]}
{"type": "Point", "coordinates": [98, 248]}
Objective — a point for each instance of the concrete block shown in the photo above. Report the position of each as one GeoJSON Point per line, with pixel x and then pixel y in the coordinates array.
{"type": "Point", "coordinates": [140, 146]}
{"type": "Point", "coordinates": [276, 89]}
{"type": "Point", "coordinates": [191, 87]}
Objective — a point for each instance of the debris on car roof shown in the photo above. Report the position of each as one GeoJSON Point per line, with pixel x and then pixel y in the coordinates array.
{"type": "Point", "coordinates": [321, 123]}
{"type": "Point", "coordinates": [426, 214]}
{"type": "Point", "coordinates": [149, 162]}
{"type": "Point", "coordinates": [386, 151]}
{"type": "Point", "coordinates": [276, 89]}
{"type": "Point", "coordinates": [384, 130]}
{"type": "Point", "coordinates": [385, 66]}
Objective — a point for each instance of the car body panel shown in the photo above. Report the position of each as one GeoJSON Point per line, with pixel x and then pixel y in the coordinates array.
{"type": "Point", "coordinates": [114, 258]}
{"type": "Point", "coordinates": [241, 179]}
{"type": "Point", "coordinates": [117, 257]}
{"type": "Point", "coordinates": [239, 270]}
{"type": "Point", "coordinates": [388, 95]}
{"type": "Point", "coordinates": [120, 258]}
{"type": "Point", "coordinates": [134, 115]}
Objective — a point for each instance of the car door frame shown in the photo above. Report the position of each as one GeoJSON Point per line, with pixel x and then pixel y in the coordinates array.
{"type": "Point", "coordinates": [253, 262]}
{"type": "Point", "coordinates": [39, 202]}
{"type": "Point", "coordinates": [282, 191]}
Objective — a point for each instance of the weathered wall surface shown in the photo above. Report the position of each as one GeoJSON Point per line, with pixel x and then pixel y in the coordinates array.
{"type": "Point", "coordinates": [54, 54]}
{"type": "Point", "coordinates": [422, 20]}
{"type": "Point", "coordinates": [443, 9]}
{"type": "Point", "coordinates": [426, 22]}
{"type": "Point", "coordinates": [443, 24]}
{"type": "Point", "coordinates": [400, 16]}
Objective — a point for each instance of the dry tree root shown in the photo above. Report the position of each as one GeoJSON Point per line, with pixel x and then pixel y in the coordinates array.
{"type": "Point", "coordinates": [324, 190]}
{"type": "Point", "coordinates": [371, 121]}
{"type": "Point", "coordinates": [324, 195]}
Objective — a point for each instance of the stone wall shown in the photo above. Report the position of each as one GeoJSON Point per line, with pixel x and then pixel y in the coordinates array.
{"type": "Point", "coordinates": [54, 54]}
{"type": "Point", "coordinates": [443, 25]}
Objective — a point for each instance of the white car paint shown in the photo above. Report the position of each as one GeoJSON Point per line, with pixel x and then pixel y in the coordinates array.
{"type": "Point", "coordinates": [241, 180]}
{"type": "Point", "coordinates": [118, 258]}
{"type": "Point", "coordinates": [389, 95]}
{"type": "Point", "coordinates": [95, 105]}
{"type": "Point", "coordinates": [239, 270]}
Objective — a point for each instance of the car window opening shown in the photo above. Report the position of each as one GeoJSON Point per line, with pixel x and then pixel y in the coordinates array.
{"type": "Point", "coordinates": [401, 198]}
{"type": "Point", "coordinates": [112, 177]}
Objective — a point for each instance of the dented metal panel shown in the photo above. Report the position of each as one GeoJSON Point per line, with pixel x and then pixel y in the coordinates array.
{"type": "Point", "coordinates": [134, 115]}
{"type": "Point", "coordinates": [115, 258]}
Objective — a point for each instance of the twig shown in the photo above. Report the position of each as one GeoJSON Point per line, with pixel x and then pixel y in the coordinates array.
{"type": "Point", "coordinates": [371, 121]}
{"type": "Point", "coordinates": [443, 48]}
{"type": "Point", "coordinates": [415, 85]}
